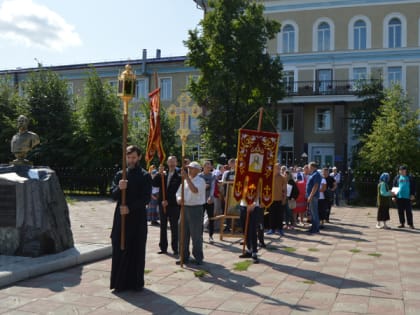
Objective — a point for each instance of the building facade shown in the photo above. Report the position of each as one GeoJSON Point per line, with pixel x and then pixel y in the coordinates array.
{"type": "Point", "coordinates": [169, 73]}
{"type": "Point", "coordinates": [326, 48]}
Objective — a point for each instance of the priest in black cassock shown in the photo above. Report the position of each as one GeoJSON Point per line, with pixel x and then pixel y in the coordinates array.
{"type": "Point", "coordinates": [127, 271]}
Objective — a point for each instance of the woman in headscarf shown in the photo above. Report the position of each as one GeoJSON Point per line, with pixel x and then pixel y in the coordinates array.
{"type": "Point", "coordinates": [383, 201]}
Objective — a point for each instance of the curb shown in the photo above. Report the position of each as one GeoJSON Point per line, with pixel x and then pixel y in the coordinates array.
{"type": "Point", "coordinates": [21, 268]}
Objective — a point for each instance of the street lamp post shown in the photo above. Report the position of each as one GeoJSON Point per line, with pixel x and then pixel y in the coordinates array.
{"type": "Point", "coordinates": [126, 91]}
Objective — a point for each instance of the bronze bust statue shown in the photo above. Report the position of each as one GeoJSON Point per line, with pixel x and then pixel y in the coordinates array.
{"type": "Point", "coordinates": [23, 141]}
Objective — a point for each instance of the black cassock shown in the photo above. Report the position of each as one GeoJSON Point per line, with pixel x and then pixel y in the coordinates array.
{"type": "Point", "coordinates": [127, 271]}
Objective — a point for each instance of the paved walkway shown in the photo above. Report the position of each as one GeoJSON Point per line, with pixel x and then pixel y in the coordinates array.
{"type": "Point", "coordinates": [350, 268]}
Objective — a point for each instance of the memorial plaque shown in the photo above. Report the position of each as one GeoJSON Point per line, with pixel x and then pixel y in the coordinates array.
{"type": "Point", "coordinates": [7, 205]}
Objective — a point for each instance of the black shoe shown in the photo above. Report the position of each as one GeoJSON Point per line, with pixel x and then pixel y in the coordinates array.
{"type": "Point", "coordinates": [156, 223]}
{"type": "Point", "coordinates": [246, 255]}
{"type": "Point", "coordinates": [162, 252]}
{"type": "Point", "coordinates": [411, 227]}
{"type": "Point", "coordinates": [175, 252]}
{"type": "Point", "coordinates": [255, 259]}
{"type": "Point", "coordinates": [262, 245]}
{"type": "Point", "coordinates": [400, 226]}
{"type": "Point", "coordinates": [178, 262]}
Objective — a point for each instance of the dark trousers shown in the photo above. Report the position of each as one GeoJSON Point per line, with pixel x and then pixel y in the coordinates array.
{"type": "Point", "coordinates": [210, 214]}
{"type": "Point", "coordinates": [172, 215]}
{"type": "Point", "coordinates": [251, 237]}
{"type": "Point", "coordinates": [260, 224]}
{"type": "Point", "coordinates": [193, 228]}
{"type": "Point", "coordinates": [405, 205]}
{"type": "Point", "coordinates": [322, 209]}
{"type": "Point", "coordinates": [276, 215]}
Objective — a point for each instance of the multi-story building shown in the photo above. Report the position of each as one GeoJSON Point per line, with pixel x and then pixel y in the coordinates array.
{"type": "Point", "coordinates": [169, 73]}
{"type": "Point", "coordinates": [326, 47]}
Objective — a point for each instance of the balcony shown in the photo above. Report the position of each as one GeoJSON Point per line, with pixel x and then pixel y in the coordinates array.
{"type": "Point", "coordinates": [324, 87]}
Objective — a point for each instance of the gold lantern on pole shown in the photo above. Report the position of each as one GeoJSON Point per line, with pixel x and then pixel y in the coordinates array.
{"type": "Point", "coordinates": [126, 91]}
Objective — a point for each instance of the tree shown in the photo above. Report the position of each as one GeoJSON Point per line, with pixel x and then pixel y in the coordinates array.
{"type": "Point", "coordinates": [237, 74]}
{"type": "Point", "coordinates": [100, 121]}
{"type": "Point", "coordinates": [139, 131]}
{"type": "Point", "coordinates": [11, 106]}
{"type": "Point", "coordinates": [395, 136]}
{"type": "Point", "coordinates": [49, 106]}
{"type": "Point", "coordinates": [372, 95]}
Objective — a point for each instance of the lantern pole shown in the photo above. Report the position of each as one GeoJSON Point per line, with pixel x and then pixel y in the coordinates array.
{"type": "Point", "coordinates": [126, 91]}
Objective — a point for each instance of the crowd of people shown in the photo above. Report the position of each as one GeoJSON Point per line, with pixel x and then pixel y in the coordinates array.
{"type": "Point", "coordinates": [302, 197]}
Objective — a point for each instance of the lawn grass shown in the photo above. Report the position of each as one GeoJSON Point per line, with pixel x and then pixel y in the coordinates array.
{"type": "Point", "coordinates": [242, 265]}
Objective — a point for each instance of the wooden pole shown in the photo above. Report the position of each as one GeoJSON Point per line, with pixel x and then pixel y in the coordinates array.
{"type": "Point", "coordinates": [182, 214]}
{"type": "Point", "coordinates": [246, 185]}
{"type": "Point", "coordinates": [124, 172]}
{"type": "Point", "coordinates": [163, 187]}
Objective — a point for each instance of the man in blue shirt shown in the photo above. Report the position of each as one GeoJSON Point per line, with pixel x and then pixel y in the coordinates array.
{"type": "Point", "coordinates": [406, 193]}
{"type": "Point", "coordinates": [312, 195]}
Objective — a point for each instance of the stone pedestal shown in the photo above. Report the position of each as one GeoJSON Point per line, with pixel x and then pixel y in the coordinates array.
{"type": "Point", "coordinates": [34, 216]}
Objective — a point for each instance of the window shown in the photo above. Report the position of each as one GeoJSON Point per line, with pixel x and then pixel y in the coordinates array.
{"type": "Point", "coordinates": [166, 89]}
{"type": "Point", "coordinates": [142, 89]}
{"type": "Point", "coordinates": [324, 36]}
{"type": "Point", "coordinates": [70, 88]}
{"type": "Point", "coordinates": [286, 155]}
{"type": "Point", "coordinates": [289, 81]}
{"type": "Point", "coordinates": [114, 85]}
{"type": "Point", "coordinates": [359, 77]}
{"type": "Point", "coordinates": [288, 39]}
{"type": "Point", "coordinates": [287, 120]}
{"type": "Point", "coordinates": [360, 35]}
{"type": "Point", "coordinates": [394, 33]}
{"type": "Point", "coordinates": [359, 74]}
{"type": "Point", "coordinates": [323, 119]}
{"type": "Point", "coordinates": [394, 75]}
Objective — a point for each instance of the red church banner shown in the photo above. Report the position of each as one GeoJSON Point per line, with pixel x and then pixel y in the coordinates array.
{"type": "Point", "coordinates": [257, 154]}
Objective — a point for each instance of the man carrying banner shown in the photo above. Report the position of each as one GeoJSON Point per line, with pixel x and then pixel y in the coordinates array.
{"type": "Point", "coordinates": [168, 207]}
{"type": "Point", "coordinates": [257, 153]}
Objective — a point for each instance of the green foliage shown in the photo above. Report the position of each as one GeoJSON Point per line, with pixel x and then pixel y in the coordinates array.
{"type": "Point", "coordinates": [100, 120]}
{"type": "Point", "coordinates": [395, 136]}
{"type": "Point", "coordinates": [52, 118]}
{"type": "Point", "coordinates": [139, 131]}
{"type": "Point", "coordinates": [11, 106]}
{"type": "Point", "coordinates": [242, 265]}
{"type": "Point", "coordinates": [371, 95]}
{"type": "Point", "coordinates": [237, 75]}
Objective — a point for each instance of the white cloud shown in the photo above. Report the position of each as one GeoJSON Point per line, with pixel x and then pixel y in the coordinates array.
{"type": "Point", "coordinates": [27, 22]}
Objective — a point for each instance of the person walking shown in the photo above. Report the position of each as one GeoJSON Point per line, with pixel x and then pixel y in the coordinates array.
{"type": "Point", "coordinates": [383, 201]}
{"type": "Point", "coordinates": [127, 269]}
{"type": "Point", "coordinates": [405, 196]}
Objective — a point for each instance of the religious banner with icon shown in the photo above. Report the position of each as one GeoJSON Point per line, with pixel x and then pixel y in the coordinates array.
{"type": "Point", "coordinates": [154, 140]}
{"type": "Point", "coordinates": [257, 154]}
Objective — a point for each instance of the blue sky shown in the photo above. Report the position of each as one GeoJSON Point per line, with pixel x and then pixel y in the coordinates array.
{"type": "Point", "coordinates": [60, 32]}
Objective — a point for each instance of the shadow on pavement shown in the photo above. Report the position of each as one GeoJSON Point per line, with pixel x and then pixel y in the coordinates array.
{"type": "Point", "coordinates": [57, 281]}
{"type": "Point", "coordinates": [153, 302]}
{"type": "Point", "coordinates": [221, 276]}
{"type": "Point", "coordinates": [320, 277]}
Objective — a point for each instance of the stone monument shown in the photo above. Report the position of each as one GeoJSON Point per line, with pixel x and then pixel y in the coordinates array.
{"type": "Point", "coordinates": [34, 216]}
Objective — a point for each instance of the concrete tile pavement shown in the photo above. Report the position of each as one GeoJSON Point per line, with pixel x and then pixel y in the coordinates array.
{"type": "Point", "coordinates": [350, 268]}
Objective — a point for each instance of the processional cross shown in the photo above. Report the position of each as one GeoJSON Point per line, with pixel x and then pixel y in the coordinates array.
{"type": "Point", "coordinates": [184, 111]}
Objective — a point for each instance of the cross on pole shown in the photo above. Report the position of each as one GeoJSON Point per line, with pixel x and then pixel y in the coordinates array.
{"type": "Point", "coordinates": [184, 111]}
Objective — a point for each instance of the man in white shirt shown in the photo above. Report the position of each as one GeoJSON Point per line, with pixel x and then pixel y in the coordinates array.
{"type": "Point", "coordinates": [194, 199]}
